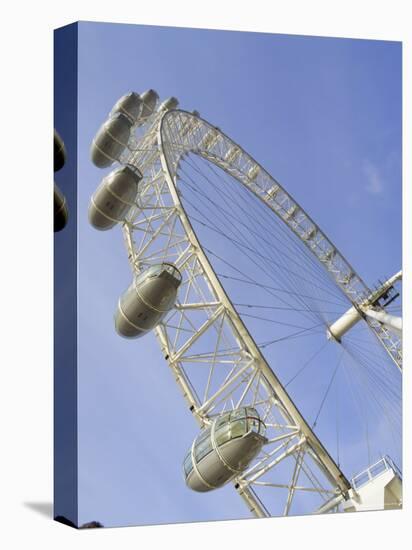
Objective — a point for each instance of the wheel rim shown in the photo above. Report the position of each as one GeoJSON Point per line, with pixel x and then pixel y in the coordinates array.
{"type": "Point", "coordinates": [168, 235]}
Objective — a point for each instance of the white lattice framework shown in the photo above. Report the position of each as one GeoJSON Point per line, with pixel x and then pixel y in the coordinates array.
{"type": "Point", "coordinates": [213, 357]}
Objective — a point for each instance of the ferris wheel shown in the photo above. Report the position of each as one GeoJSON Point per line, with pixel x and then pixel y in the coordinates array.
{"type": "Point", "coordinates": [247, 296]}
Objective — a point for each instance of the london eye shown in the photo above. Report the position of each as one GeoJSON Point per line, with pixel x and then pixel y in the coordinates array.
{"type": "Point", "coordinates": [288, 361]}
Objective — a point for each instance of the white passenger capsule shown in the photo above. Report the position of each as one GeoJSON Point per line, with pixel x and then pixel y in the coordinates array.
{"type": "Point", "coordinates": [110, 140]}
{"type": "Point", "coordinates": [114, 197]}
{"type": "Point", "coordinates": [224, 449]}
{"type": "Point", "coordinates": [149, 99]}
{"type": "Point", "coordinates": [130, 105]}
{"type": "Point", "coordinates": [148, 299]}
{"type": "Point", "coordinates": [169, 104]}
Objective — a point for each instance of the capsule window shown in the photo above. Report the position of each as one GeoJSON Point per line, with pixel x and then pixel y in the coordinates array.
{"type": "Point", "coordinates": [222, 434]}
{"type": "Point", "coordinates": [204, 434]}
{"type": "Point", "coordinates": [238, 428]}
{"type": "Point", "coordinates": [254, 424]}
{"type": "Point", "coordinates": [240, 413]}
{"type": "Point", "coordinates": [187, 464]}
{"type": "Point", "coordinates": [222, 420]}
{"type": "Point", "coordinates": [172, 270]}
{"type": "Point", "coordinates": [202, 449]}
{"type": "Point", "coordinates": [153, 271]}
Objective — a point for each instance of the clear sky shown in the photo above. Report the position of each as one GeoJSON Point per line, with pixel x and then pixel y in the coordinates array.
{"type": "Point", "coordinates": [323, 116]}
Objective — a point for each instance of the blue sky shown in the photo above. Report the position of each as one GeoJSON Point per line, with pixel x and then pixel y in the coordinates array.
{"type": "Point", "coordinates": [323, 116]}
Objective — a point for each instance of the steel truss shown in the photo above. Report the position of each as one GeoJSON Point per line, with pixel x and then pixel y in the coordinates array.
{"type": "Point", "coordinates": [210, 352]}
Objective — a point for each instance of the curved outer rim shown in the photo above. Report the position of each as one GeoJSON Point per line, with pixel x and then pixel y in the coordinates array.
{"type": "Point", "coordinates": [328, 255]}
{"type": "Point", "coordinates": [333, 471]}
{"type": "Point", "coordinates": [308, 438]}
{"type": "Point", "coordinates": [221, 164]}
